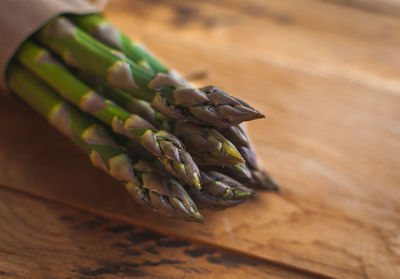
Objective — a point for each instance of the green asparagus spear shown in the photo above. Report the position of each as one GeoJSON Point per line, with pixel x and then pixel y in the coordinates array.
{"type": "Point", "coordinates": [208, 105]}
{"type": "Point", "coordinates": [207, 145]}
{"type": "Point", "coordinates": [250, 177]}
{"type": "Point", "coordinates": [219, 191]}
{"type": "Point", "coordinates": [163, 194]}
{"type": "Point", "coordinates": [166, 147]}
{"type": "Point", "coordinates": [105, 32]}
{"type": "Point", "coordinates": [237, 134]}
{"type": "Point", "coordinates": [248, 173]}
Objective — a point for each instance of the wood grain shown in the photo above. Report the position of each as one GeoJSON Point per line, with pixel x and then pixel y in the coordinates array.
{"type": "Point", "coordinates": [56, 241]}
{"type": "Point", "coordinates": [330, 90]}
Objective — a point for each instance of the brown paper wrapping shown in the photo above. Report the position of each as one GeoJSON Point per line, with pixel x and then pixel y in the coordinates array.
{"type": "Point", "coordinates": [20, 18]}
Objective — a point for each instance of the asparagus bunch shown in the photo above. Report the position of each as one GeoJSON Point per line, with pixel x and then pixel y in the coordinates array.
{"type": "Point", "coordinates": [139, 121]}
{"type": "Point", "coordinates": [247, 171]}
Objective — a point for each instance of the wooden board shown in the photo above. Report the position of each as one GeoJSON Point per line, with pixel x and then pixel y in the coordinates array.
{"type": "Point", "coordinates": [330, 89]}
{"type": "Point", "coordinates": [56, 241]}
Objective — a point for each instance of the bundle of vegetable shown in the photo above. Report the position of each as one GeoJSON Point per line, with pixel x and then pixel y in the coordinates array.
{"type": "Point", "coordinates": [139, 121]}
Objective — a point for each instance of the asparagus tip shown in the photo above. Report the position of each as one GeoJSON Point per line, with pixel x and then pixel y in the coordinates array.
{"type": "Point", "coordinates": [198, 217]}
{"type": "Point", "coordinates": [234, 157]}
{"type": "Point", "coordinates": [196, 180]}
{"type": "Point", "coordinates": [265, 181]}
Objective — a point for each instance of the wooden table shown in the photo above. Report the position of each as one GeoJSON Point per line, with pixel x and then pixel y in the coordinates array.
{"type": "Point", "coordinates": [327, 74]}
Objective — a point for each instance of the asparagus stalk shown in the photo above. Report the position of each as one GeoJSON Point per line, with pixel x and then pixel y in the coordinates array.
{"type": "Point", "coordinates": [105, 32]}
{"type": "Point", "coordinates": [208, 105]}
{"type": "Point", "coordinates": [237, 134]}
{"type": "Point", "coordinates": [165, 146]}
{"type": "Point", "coordinates": [207, 145]}
{"type": "Point", "coordinates": [218, 191]}
{"type": "Point", "coordinates": [163, 194]}
{"type": "Point", "coordinates": [258, 178]}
